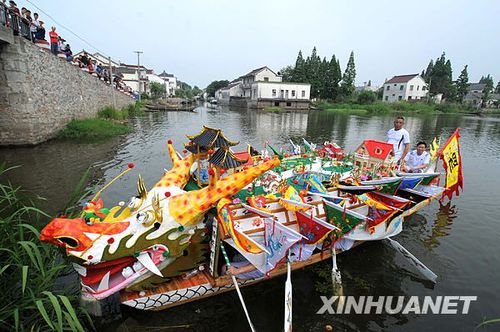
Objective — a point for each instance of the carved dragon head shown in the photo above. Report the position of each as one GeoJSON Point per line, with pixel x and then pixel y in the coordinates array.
{"type": "Point", "coordinates": [125, 245]}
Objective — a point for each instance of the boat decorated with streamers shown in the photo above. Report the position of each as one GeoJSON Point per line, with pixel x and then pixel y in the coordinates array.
{"type": "Point", "coordinates": [206, 228]}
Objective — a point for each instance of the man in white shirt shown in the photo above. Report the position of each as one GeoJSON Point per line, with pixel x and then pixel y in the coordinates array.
{"type": "Point", "coordinates": [417, 160]}
{"type": "Point", "coordinates": [400, 139]}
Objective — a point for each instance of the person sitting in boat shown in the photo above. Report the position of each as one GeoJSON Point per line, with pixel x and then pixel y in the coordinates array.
{"type": "Point", "coordinates": [417, 160]}
{"type": "Point", "coordinates": [241, 268]}
{"type": "Point", "coordinates": [400, 139]}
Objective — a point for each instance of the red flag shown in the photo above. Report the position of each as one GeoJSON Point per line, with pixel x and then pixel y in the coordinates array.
{"type": "Point", "coordinates": [312, 228]}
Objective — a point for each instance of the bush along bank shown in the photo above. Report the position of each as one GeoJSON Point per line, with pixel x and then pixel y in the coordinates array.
{"type": "Point", "coordinates": [34, 300]}
{"type": "Point", "coordinates": [403, 106]}
{"type": "Point", "coordinates": [109, 123]}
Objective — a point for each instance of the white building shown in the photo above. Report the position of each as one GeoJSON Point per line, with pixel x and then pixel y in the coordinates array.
{"type": "Point", "coordinates": [170, 82]}
{"type": "Point", "coordinates": [223, 95]}
{"type": "Point", "coordinates": [263, 88]}
{"type": "Point", "coordinates": [135, 77]}
{"type": "Point", "coordinates": [405, 87]}
{"type": "Point", "coordinates": [280, 90]}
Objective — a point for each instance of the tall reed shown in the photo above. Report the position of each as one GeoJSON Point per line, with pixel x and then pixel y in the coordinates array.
{"type": "Point", "coordinates": [31, 300]}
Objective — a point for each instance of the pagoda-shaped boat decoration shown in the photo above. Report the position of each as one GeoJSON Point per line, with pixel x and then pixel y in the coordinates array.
{"type": "Point", "coordinates": [211, 148]}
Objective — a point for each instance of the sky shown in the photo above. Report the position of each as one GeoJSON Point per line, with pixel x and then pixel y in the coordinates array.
{"type": "Point", "coordinates": [200, 41]}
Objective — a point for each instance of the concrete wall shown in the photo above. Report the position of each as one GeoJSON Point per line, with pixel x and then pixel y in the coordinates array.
{"type": "Point", "coordinates": [41, 93]}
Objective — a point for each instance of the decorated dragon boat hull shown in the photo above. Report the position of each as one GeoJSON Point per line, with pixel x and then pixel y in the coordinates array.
{"type": "Point", "coordinates": [164, 248]}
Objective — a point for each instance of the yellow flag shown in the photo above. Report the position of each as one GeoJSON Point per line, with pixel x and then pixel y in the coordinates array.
{"type": "Point", "coordinates": [452, 162]}
{"type": "Point", "coordinates": [433, 148]}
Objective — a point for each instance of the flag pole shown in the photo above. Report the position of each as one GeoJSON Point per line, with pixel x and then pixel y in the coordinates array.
{"type": "Point", "coordinates": [288, 297]}
{"type": "Point", "coordinates": [226, 258]}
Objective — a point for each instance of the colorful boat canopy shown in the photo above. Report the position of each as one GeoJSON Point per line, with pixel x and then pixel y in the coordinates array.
{"type": "Point", "coordinates": [211, 137]}
{"type": "Point", "coordinates": [226, 159]}
{"type": "Point", "coordinates": [345, 220]}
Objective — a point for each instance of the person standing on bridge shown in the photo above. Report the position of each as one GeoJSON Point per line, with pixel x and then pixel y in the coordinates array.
{"type": "Point", "coordinates": [54, 40]}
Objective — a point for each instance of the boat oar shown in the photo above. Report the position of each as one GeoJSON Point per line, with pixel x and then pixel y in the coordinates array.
{"type": "Point", "coordinates": [224, 253]}
{"type": "Point", "coordinates": [424, 270]}
{"type": "Point", "coordinates": [336, 276]}
{"type": "Point", "coordinates": [288, 297]}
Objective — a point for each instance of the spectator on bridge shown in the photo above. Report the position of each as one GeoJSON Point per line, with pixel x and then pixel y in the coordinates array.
{"type": "Point", "coordinates": [40, 33]}
{"type": "Point", "coordinates": [35, 25]}
{"type": "Point", "coordinates": [67, 51]}
{"type": "Point", "coordinates": [27, 15]}
{"type": "Point", "coordinates": [84, 59]}
{"type": "Point", "coordinates": [54, 39]}
{"type": "Point", "coordinates": [14, 17]}
{"type": "Point", "coordinates": [98, 70]}
{"type": "Point", "coordinates": [13, 8]}
{"type": "Point", "coordinates": [23, 12]}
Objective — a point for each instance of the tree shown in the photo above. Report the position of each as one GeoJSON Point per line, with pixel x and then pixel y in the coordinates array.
{"type": "Point", "coordinates": [197, 90]}
{"type": "Point", "coordinates": [158, 90]}
{"type": "Point", "coordinates": [462, 84]}
{"type": "Point", "coordinates": [367, 97]}
{"type": "Point", "coordinates": [428, 71]}
{"type": "Point", "coordinates": [288, 74]}
{"type": "Point", "coordinates": [349, 77]}
{"type": "Point", "coordinates": [488, 81]}
{"type": "Point", "coordinates": [313, 66]}
{"type": "Point", "coordinates": [497, 89]}
{"type": "Point", "coordinates": [440, 77]}
{"type": "Point", "coordinates": [214, 86]}
{"type": "Point", "coordinates": [299, 72]}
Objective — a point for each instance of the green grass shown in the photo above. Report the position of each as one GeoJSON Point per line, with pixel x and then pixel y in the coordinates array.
{"type": "Point", "coordinates": [273, 109]}
{"type": "Point", "coordinates": [107, 124]}
{"type": "Point", "coordinates": [92, 130]}
{"type": "Point", "coordinates": [380, 107]}
{"type": "Point", "coordinates": [29, 270]}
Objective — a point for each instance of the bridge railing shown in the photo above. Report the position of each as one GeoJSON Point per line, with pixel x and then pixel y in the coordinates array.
{"type": "Point", "coordinates": [3, 15]}
{"type": "Point", "coordinates": [18, 24]}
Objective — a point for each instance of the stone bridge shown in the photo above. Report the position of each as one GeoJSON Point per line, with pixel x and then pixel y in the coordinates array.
{"type": "Point", "coordinates": [40, 93]}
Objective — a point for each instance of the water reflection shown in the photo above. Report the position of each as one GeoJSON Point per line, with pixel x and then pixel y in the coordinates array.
{"type": "Point", "coordinates": [441, 226]}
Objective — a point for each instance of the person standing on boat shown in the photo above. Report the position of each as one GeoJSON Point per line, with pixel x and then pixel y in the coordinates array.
{"type": "Point", "coordinates": [400, 139]}
{"type": "Point", "coordinates": [417, 160]}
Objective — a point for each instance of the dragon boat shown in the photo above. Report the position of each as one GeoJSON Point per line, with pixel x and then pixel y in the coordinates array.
{"type": "Point", "coordinates": [167, 245]}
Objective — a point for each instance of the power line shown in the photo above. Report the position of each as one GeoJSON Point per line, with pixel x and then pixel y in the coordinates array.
{"type": "Point", "coordinates": [67, 29]}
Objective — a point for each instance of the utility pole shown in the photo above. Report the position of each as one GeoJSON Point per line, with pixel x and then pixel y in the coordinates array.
{"type": "Point", "coordinates": [111, 79]}
{"type": "Point", "coordinates": [138, 75]}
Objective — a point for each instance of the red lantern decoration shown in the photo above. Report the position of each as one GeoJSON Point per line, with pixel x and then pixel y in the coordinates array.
{"type": "Point", "coordinates": [184, 151]}
{"type": "Point", "coordinates": [167, 194]}
{"type": "Point", "coordinates": [169, 141]}
{"type": "Point", "coordinates": [211, 172]}
{"type": "Point", "coordinates": [130, 165]}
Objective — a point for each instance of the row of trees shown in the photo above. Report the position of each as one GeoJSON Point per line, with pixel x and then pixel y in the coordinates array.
{"type": "Point", "coordinates": [325, 77]}
{"type": "Point", "coordinates": [214, 86]}
{"type": "Point", "coordinates": [439, 76]}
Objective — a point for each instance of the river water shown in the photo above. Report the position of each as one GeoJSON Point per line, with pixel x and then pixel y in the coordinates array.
{"type": "Point", "coordinates": [458, 241]}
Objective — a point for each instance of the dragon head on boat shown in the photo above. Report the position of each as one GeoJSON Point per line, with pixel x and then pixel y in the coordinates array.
{"type": "Point", "coordinates": [148, 238]}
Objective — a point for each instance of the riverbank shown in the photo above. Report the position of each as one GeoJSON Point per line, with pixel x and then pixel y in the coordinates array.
{"type": "Point", "coordinates": [380, 107]}
{"type": "Point", "coordinates": [110, 122]}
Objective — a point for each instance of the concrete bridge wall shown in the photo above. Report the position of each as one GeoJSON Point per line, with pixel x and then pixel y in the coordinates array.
{"type": "Point", "coordinates": [40, 93]}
